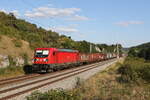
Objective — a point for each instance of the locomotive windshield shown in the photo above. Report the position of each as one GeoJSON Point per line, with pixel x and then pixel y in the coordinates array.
{"type": "Point", "coordinates": [41, 53]}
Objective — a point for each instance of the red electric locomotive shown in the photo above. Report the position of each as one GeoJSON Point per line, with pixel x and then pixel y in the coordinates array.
{"type": "Point", "coordinates": [49, 59]}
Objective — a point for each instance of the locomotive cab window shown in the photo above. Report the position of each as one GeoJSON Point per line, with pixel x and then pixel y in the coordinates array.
{"type": "Point", "coordinates": [45, 52]}
{"type": "Point", "coordinates": [41, 53]}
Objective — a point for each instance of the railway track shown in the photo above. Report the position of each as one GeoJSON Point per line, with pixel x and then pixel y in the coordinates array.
{"type": "Point", "coordinates": [19, 89]}
{"type": "Point", "coordinates": [1, 91]}
{"type": "Point", "coordinates": [17, 79]}
{"type": "Point", "coordinates": [10, 81]}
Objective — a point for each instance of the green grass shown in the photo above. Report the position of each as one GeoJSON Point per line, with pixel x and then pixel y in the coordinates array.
{"type": "Point", "coordinates": [11, 71]}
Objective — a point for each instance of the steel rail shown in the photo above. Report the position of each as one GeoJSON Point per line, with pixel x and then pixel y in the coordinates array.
{"type": "Point", "coordinates": [10, 81]}
{"type": "Point", "coordinates": [39, 86]}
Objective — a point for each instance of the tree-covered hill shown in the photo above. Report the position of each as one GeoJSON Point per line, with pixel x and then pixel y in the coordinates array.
{"type": "Point", "coordinates": [39, 37]}
{"type": "Point", "coordinates": [144, 45]}
{"type": "Point", "coordinates": [142, 51]}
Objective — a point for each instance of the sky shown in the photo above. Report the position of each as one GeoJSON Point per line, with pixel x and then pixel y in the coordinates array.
{"type": "Point", "coordinates": [99, 21]}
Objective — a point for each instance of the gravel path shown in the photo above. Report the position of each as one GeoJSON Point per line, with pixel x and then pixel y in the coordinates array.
{"type": "Point", "coordinates": [68, 83]}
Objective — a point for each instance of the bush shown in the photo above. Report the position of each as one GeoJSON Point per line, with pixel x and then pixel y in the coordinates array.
{"type": "Point", "coordinates": [2, 71]}
{"type": "Point", "coordinates": [145, 72]}
{"type": "Point", "coordinates": [26, 58]}
{"type": "Point", "coordinates": [11, 61]}
{"type": "Point", "coordinates": [58, 94]}
{"type": "Point", "coordinates": [134, 69]}
{"type": "Point", "coordinates": [17, 43]}
{"type": "Point", "coordinates": [145, 53]}
{"type": "Point", "coordinates": [128, 73]}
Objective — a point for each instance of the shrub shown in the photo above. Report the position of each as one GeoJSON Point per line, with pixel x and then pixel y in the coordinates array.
{"type": "Point", "coordinates": [2, 71]}
{"type": "Point", "coordinates": [145, 72]}
{"type": "Point", "coordinates": [26, 58]}
{"type": "Point", "coordinates": [134, 69]}
{"type": "Point", "coordinates": [58, 94]}
{"type": "Point", "coordinates": [11, 61]}
{"type": "Point", "coordinates": [145, 53]}
{"type": "Point", "coordinates": [128, 73]}
{"type": "Point", "coordinates": [17, 43]}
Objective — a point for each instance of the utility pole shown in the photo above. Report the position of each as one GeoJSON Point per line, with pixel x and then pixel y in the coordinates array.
{"type": "Point", "coordinates": [117, 51]}
{"type": "Point", "coordinates": [90, 48]}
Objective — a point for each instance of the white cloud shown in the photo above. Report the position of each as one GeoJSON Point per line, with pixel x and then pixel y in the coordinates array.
{"type": "Point", "coordinates": [51, 12]}
{"type": "Point", "coordinates": [36, 14]}
{"type": "Point", "coordinates": [15, 12]}
{"type": "Point", "coordinates": [127, 23]}
{"type": "Point", "coordinates": [78, 18]}
{"type": "Point", "coordinates": [3, 10]}
{"type": "Point", "coordinates": [65, 29]}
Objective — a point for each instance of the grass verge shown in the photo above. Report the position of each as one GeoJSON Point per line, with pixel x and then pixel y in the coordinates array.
{"type": "Point", "coordinates": [11, 71]}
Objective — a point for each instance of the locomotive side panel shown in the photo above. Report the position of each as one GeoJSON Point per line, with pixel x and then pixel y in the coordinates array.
{"type": "Point", "coordinates": [66, 57]}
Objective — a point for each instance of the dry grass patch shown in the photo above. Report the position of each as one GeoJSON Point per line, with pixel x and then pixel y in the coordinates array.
{"type": "Point", "coordinates": [14, 47]}
{"type": "Point", "coordinates": [104, 86]}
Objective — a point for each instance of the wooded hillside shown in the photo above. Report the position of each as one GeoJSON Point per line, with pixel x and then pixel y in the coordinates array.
{"type": "Point", "coordinates": [39, 37]}
{"type": "Point", "coordinates": [142, 51]}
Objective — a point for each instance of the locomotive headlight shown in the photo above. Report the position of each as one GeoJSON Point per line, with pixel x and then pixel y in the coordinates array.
{"type": "Point", "coordinates": [36, 59]}
{"type": "Point", "coordinates": [45, 60]}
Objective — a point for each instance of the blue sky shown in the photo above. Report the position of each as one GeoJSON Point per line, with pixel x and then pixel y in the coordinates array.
{"type": "Point", "coordinates": [98, 21]}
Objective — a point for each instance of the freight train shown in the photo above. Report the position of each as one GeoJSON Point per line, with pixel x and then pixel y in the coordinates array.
{"type": "Point", "coordinates": [51, 59]}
